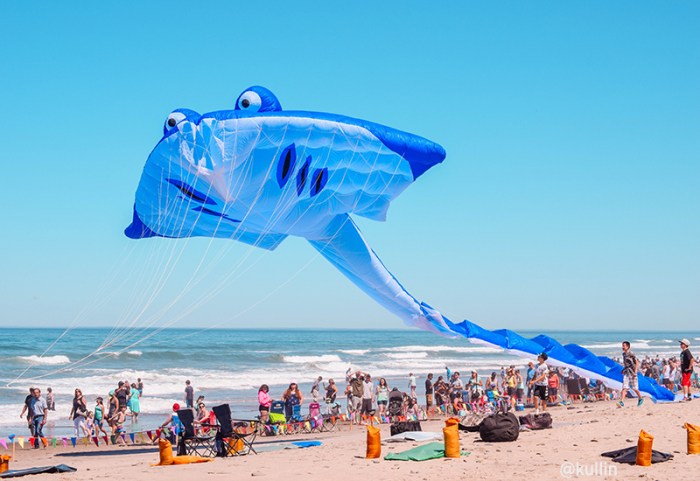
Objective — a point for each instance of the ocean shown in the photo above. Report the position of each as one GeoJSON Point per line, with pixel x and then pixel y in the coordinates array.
{"type": "Point", "coordinates": [230, 365]}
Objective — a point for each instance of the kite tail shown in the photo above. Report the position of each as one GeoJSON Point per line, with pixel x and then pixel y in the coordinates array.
{"type": "Point", "coordinates": [344, 246]}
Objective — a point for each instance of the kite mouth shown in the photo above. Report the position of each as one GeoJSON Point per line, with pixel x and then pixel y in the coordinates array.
{"type": "Point", "coordinates": [204, 200]}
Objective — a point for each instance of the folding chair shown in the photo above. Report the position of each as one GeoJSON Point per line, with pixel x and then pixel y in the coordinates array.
{"type": "Point", "coordinates": [315, 418]}
{"type": "Point", "coordinates": [190, 442]}
{"type": "Point", "coordinates": [330, 418]}
{"type": "Point", "coordinates": [233, 439]}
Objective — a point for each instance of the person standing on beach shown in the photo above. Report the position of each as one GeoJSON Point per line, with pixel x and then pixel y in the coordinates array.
{"type": "Point", "coordinates": [28, 401]}
{"type": "Point", "coordinates": [528, 378]}
{"type": "Point", "coordinates": [687, 364]}
{"type": "Point", "coordinates": [189, 395]}
{"type": "Point", "coordinates": [139, 386]}
{"type": "Point", "coordinates": [630, 367]}
{"type": "Point", "coordinates": [356, 389]}
{"type": "Point", "coordinates": [50, 399]}
{"type": "Point", "coordinates": [429, 392]}
{"type": "Point", "coordinates": [40, 413]}
{"type": "Point", "coordinates": [291, 397]}
{"type": "Point", "coordinates": [367, 396]}
{"type": "Point", "coordinates": [412, 384]}
{"type": "Point", "coordinates": [315, 388]}
{"type": "Point", "coordinates": [79, 413]}
{"type": "Point", "coordinates": [121, 394]}
{"type": "Point", "coordinates": [99, 417]}
{"type": "Point", "coordinates": [539, 383]}
{"type": "Point", "coordinates": [134, 403]}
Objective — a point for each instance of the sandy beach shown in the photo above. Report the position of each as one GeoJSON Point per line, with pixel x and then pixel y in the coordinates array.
{"type": "Point", "coordinates": [580, 433]}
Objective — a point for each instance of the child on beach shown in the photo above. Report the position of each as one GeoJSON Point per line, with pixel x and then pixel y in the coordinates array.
{"type": "Point", "coordinates": [90, 424]}
{"type": "Point", "coordinates": [99, 414]}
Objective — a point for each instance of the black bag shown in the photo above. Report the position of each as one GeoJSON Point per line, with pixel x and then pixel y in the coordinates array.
{"type": "Point", "coordinates": [537, 421]}
{"type": "Point", "coordinates": [499, 428]}
{"type": "Point", "coordinates": [629, 456]}
{"type": "Point", "coordinates": [403, 426]}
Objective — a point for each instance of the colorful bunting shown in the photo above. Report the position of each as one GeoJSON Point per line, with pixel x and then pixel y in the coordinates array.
{"type": "Point", "coordinates": [20, 441]}
{"type": "Point", "coordinates": [72, 441]}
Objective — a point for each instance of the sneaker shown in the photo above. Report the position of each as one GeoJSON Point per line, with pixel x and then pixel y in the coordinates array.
{"type": "Point", "coordinates": [640, 402]}
{"type": "Point", "coordinates": [620, 404]}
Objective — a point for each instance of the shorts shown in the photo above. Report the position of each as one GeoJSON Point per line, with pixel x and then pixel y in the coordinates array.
{"type": "Point", "coordinates": [553, 392]}
{"type": "Point", "coordinates": [355, 404]}
{"type": "Point", "coordinates": [265, 409]}
{"type": "Point", "coordinates": [540, 392]}
{"type": "Point", "coordinates": [382, 403]}
{"type": "Point", "coordinates": [99, 422]}
{"type": "Point", "coordinates": [428, 400]}
{"type": "Point", "coordinates": [366, 406]}
{"type": "Point", "coordinates": [519, 393]}
{"type": "Point", "coordinates": [629, 381]}
{"type": "Point", "coordinates": [685, 379]}
{"type": "Point", "coordinates": [511, 391]}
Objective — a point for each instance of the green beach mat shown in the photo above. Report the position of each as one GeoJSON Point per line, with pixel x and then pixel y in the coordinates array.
{"type": "Point", "coordinates": [421, 453]}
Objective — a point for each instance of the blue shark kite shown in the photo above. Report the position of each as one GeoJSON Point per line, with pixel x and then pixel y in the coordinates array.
{"type": "Point", "coordinates": [258, 174]}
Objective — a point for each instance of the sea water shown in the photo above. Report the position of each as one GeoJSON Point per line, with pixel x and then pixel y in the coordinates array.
{"type": "Point", "coordinates": [230, 365]}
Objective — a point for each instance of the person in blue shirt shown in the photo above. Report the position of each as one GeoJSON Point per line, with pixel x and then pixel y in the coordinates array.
{"type": "Point", "coordinates": [530, 373]}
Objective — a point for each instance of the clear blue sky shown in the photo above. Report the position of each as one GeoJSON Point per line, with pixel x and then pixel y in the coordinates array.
{"type": "Point", "coordinates": [570, 196]}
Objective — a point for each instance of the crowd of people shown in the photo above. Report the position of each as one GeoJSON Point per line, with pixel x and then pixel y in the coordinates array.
{"type": "Point", "coordinates": [538, 386]}
{"type": "Point", "coordinates": [86, 421]}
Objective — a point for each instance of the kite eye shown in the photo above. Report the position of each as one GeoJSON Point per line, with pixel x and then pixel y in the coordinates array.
{"type": "Point", "coordinates": [173, 119]}
{"type": "Point", "coordinates": [249, 101]}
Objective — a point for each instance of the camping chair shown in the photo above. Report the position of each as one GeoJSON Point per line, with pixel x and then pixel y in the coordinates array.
{"type": "Point", "coordinates": [190, 442]}
{"type": "Point", "coordinates": [315, 418]}
{"type": "Point", "coordinates": [233, 439]}
{"type": "Point", "coordinates": [330, 418]}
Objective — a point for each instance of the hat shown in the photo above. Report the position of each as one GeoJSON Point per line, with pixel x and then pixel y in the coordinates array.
{"type": "Point", "coordinates": [685, 341]}
{"type": "Point", "coordinates": [176, 407]}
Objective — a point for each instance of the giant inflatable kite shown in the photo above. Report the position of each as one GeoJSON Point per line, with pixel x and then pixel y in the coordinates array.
{"type": "Point", "coordinates": [258, 174]}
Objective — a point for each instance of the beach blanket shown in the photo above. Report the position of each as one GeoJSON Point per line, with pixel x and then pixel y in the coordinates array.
{"type": "Point", "coordinates": [421, 453]}
{"type": "Point", "coordinates": [415, 436]}
{"type": "Point", "coordinates": [306, 444]}
{"type": "Point", "coordinates": [16, 473]}
{"type": "Point", "coordinates": [629, 456]}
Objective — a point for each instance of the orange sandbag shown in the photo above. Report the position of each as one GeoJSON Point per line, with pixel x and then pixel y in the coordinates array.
{"type": "Point", "coordinates": [374, 446]}
{"type": "Point", "coordinates": [4, 463]}
{"type": "Point", "coordinates": [451, 422]}
{"type": "Point", "coordinates": [235, 445]}
{"type": "Point", "coordinates": [644, 448]}
{"type": "Point", "coordinates": [451, 435]}
{"type": "Point", "coordinates": [693, 438]}
{"type": "Point", "coordinates": [166, 452]}
{"type": "Point", "coordinates": [190, 459]}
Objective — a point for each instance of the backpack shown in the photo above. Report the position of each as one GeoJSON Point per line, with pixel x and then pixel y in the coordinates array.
{"type": "Point", "coordinates": [499, 428]}
{"type": "Point", "coordinates": [404, 426]}
{"type": "Point", "coordinates": [537, 421]}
